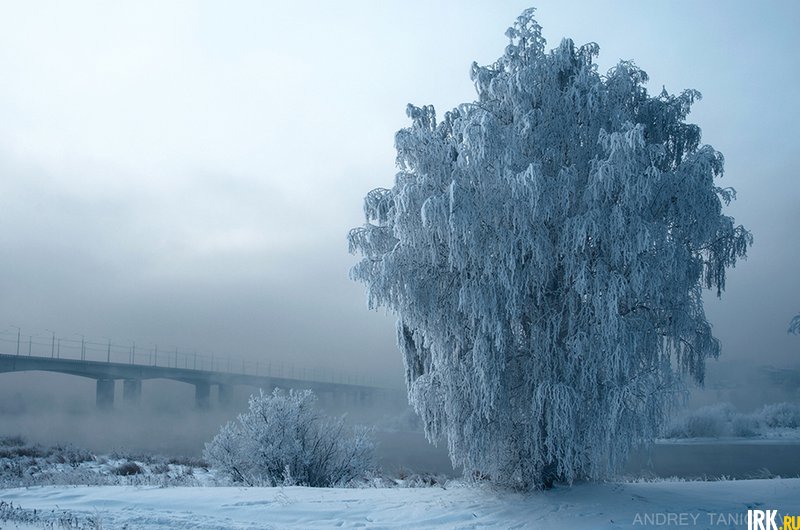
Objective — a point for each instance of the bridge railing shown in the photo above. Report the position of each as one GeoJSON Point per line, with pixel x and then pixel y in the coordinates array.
{"type": "Point", "coordinates": [80, 347]}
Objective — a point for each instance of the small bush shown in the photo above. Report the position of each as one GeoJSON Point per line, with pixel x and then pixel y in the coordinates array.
{"type": "Point", "coordinates": [160, 469]}
{"type": "Point", "coordinates": [69, 454]}
{"type": "Point", "coordinates": [127, 469]}
{"type": "Point", "coordinates": [17, 514]}
{"type": "Point", "coordinates": [744, 425]}
{"type": "Point", "coordinates": [676, 430]}
{"type": "Point", "coordinates": [722, 420]}
{"type": "Point", "coordinates": [781, 415]}
{"type": "Point", "coordinates": [709, 422]}
{"type": "Point", "coordinates": [282, 439]}
{"type": "Point", "coordinates": [29, 451]}
{"type": "Point", "coordinates": [705, 426]}
{"type": "Point", "coordinates": [12, 441]}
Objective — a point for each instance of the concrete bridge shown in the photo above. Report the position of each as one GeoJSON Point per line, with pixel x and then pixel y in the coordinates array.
{"type": "Point", "coordinates": [107, 373]}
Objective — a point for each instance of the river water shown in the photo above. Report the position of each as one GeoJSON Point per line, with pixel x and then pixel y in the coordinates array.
{"type": "Point", "coordinates": [735, 459]}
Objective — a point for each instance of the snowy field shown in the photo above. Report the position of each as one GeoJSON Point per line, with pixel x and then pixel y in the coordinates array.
{"type": "Point", "coordinates": [668, 504]}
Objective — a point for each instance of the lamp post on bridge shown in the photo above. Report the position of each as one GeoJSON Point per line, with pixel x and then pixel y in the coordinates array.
{"type": "Point", "coordinates": [83, 345]}
{"type": "Point", "coordinates": [108, 351]}
{"type": "Point", "coordinates": [19, 331]}
{"type": "Point", "coordinates": [52, 344]}
{"type": "Point", "coordinates": [155, 355]}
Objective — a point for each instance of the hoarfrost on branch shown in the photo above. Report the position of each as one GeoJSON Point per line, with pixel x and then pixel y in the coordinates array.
{"type": "Point", "coordinates": [544, 248]}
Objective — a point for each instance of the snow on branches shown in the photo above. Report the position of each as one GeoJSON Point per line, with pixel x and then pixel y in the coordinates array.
{"type": "Point", "coordinates": [544, 248]}
{"type": "Point", "coordinates": [283, 440]}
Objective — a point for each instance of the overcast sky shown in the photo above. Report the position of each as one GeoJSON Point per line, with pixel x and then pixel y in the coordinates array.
{"type": "Point", "coordinates": [185, 173]}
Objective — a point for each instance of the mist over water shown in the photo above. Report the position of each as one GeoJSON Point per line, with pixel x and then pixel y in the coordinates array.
{"type": "Point", "coordinates": [54, 409]}
{"type": "Point", "coordinates": [57, 409]}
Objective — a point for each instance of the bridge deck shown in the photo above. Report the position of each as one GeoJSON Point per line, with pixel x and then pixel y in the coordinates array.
{"type": "Point", "coordinates": [133, 374]}
{"type": "Point", "coordinates": [114, 370]}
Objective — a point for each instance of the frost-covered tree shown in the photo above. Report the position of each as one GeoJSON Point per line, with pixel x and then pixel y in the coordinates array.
{"type": "Point", "coordinates": [794, 325]}
{"type": "Point", "coordinates": [544, 248]}
{"type": "Point", "coordinates": [283, 439]}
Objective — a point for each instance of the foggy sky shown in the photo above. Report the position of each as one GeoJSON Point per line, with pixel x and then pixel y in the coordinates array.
{"type": "Point", "coordinates": [185, 173]}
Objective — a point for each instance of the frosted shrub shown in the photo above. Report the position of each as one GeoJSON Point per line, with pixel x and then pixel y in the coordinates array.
{"type": "Point", "coordinates": [282, 439]}
{"type": "Point", "coordinates": [705, 426]}
{"type": "Point", "coordinates": [781, 415]}
{"type": "Point", "coordinates": [128, 468]}
{"type": "Point", "coordinates": [794, 325]}
{"type": "Point", "coordinates": [722, 420]}
{"type": "Point", "coordinates": [545, 249]}
{"type": "Point", "coordinates": [744, 425]}
{"type": "Point", "coordinates": [709, 422]}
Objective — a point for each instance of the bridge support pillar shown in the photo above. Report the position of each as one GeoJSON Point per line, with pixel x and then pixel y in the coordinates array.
{"type": "Point", "coordinates": [225, 394]}
{"type": "Point", "coordinates": [202, 393]}
{"type": "Point", "coordinates": [132, 391]}
{"type": "Point", "coordinates": [105, 394]}
{"type": "Point", "coordinates": [335, 399]}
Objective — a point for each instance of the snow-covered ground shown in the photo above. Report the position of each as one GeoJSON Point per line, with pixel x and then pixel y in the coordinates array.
{"type": "Point", "coordinates": [69, 488]}
{"type": "Point", "coordinates": [667, 504]}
